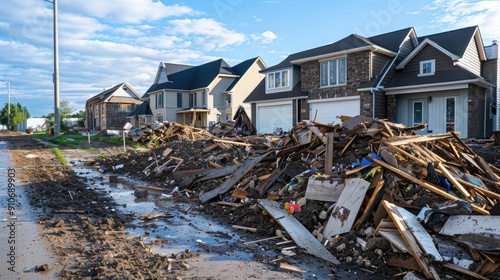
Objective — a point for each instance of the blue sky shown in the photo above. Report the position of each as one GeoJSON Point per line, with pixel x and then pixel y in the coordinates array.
{"type": "Point", "coordinates": [104, 43]}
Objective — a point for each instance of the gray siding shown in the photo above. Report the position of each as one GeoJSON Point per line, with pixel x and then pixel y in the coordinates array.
{"type": "Point", "coordinates": [429, 52]}
{"type": "Point", "coordinates": [470, 60]}
{"type": "Point", "coordinates": [379, 63]}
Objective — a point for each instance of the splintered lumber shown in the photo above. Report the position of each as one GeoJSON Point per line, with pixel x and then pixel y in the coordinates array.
{"type": "Point", "coordinates": [453, 181]}
{"type": "Point", "coordinates": [232, 142]}
{"type": "Point", "coordinates": [233, 179]}
{"type": "Point", "coordinates": [378, 184]}
{"type": "Point", "coordinates": [186, 177]}
{"type": "Point", "coordinates": [343, 215]}
{"type": "Point", "coordinates": [149, 188]}
{"type": "Point", "coordinates": [300, 235]}
{"type": "Point", "coordinates": [486, 168]}
{"type": "Point", "coordinates": [315, 130]}
{"type": "Point", "coordinates": [463, 224]}
{"type": "Point", "coordinates": [251, 229]}
{"type": "Point", "coordinates": [292, 268]}
{"type": "Point", "coordinates": [324, 190]}
{"type": "Point", "coordinates": [263, 186]}
{"type": "Point", "coordinates": [152, 216]}
{"type": "Point", "coordinates": [393, 236]}
{"type": "Point", "coordinates": [398, 141]}
{"type": "Point", "coordinates": [264, 239]}
{"type": "Point", "coordinates": [410, 240]}
{"type": "Point", "coordinates": [329, 153]}
{"type": "Point", "coordinates": [427, 185]}
{"type": "Point", "coordinates": [423, 238]}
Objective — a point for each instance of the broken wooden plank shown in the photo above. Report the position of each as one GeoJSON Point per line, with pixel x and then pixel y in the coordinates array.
{"type": "Point", "coordinates": [315, 130]}
{"type": "Point", "coordinates": [324, 190]}
{"type": "Point", "coordinates": [453, 181]}
{"type": "Point", "coordinates": [233, 179]}
{"type": "Point", "coordinates": [300, 235]}
{"type": "Point", "coordinates": [396, 141]}
{"type": "Point", "coordinates": [463, 224]}
{"type": "Point", "coordinates": [486, 168]}
{"type": "Point", "coordinates": [152, 216]}
{"type": "Point", "coordinates": [292, 268]}
{"type": "Point", "coordinates": [423, 238]}
{"type": "Point", "coordinates": [410, 240]}
{"type": "Point", "coordinates": [251, 229]}
{"type": "Point", "coordinates": [343, 215]}
{"type": "Point", "coordinates": [149, 188]}
{"type": "Point", "coordinates": [264, 239]}
{"type": "Point", "coordinates": [329, 153]}
{"type": "Point", "coordinates": [263, 186]}
{"type": "Point", "coordinates": [231, 204]}
{"type": "Point", "coordinates": [232, 142]}
{"type": "Point", "coordinates": [378, 184]}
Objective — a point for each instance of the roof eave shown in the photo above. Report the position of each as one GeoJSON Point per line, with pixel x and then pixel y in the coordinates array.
{"type": "Point", "coordinates": [470, 81]}
{"type": "Point", "coordinates": [344, 52]}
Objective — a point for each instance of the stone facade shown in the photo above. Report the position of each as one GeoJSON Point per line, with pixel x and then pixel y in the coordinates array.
{"type": "Point", "coordinates": [116, 118]}
{"type": "Point", "coordinates": [476, 112]}
{"type": "Point", "coordinates": [391, 108]}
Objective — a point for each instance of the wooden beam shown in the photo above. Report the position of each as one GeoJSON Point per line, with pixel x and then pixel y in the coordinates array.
{"type": "Point", "coordinates": [453, 181]}
{"type": "Point", "coordinates": [427, 185]}
{"type": "Point", "coordinates": [242, 170]}
{"type": "Point", "coordinates": [329, 153]}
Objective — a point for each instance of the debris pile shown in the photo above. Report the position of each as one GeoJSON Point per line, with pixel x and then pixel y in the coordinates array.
{"type": "Point", "coordinates": [366, 192]}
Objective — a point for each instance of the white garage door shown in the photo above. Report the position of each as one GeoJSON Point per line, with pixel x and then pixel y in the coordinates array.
{"type": "Point", "coordinates": [329, 110]}
{"type": "Point", "coordinates": [272, 117]}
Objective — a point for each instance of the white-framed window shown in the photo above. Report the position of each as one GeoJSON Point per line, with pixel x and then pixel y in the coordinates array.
{"type": "Point", "coordinates": [124, 107]}
{"type": "Point", "coordinates": [278, 79]}
{"type": "Point", "coordinates": [427, 67]}
{"type": "Point", "coordinates": [159, 100]}
{"type": "Point", "coordinates": [333, 72]}
{"type": "Point", "coordinates": [228, 100]}
{"type": "Point", "coordinates": [159, 118]}
{"type": "Point", "coordinates": [142, 120]}
{"type": "Point", "coordinates": [192, 100]}
{"type": "Point", "coordinates": [203, 99]}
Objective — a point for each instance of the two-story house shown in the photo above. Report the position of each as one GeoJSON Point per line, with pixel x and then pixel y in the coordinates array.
{"type": "Point", "coordinates": [441, 83]}
{"type": "Point", "coordinates": [322, 83]}
{"type": "Point", "coordinates": [202, 95]}
{"type": "Point", "coordinates": [110, 108]}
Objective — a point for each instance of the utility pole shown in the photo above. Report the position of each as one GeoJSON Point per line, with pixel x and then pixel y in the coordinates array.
{"type": "Point", "coordinates": [8, 103]}
{"type": "Point", "coordinates": [57, 120]}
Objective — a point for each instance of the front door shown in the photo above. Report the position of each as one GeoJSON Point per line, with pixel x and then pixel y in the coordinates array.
{"type": "Point", "coordinates": [419, 114]}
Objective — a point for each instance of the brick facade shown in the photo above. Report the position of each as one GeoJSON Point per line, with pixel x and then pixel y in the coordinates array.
{"type": "Point", "coordinates": [358, 72]}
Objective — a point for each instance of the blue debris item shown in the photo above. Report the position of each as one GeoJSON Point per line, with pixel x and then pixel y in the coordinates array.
{"type": "Point", "coordinates": [366, 161]}
{"type": "Point", "coordinates": [443, 182]}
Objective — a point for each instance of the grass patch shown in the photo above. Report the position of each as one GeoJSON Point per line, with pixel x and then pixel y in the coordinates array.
{"type": "Point", "coordinates": [60, 156]}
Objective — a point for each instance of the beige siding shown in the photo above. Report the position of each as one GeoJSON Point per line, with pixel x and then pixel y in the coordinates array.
{"type": "Point", "coordinates": [470, 60]}
{"type": "Point", "coordinates": [245, 86]}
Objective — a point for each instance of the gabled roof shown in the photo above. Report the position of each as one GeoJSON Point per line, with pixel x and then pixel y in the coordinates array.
{"type": "Point", "coordinates": [195, 77]}
{"type": "Point", "coordinates": [143, 109]}
{"type": "Point", "coordinates": [449, 76]}
{"type": "Point", "coordinates": [107, 94]}
{"type": "Point", "coordinates": [259, 94]}
{"type": "Point", "coordinates": [387, 43]}
{"type": "Point", "coordinates": [453, 43]}
{"type": "Point", "coordinates": [242, 68]}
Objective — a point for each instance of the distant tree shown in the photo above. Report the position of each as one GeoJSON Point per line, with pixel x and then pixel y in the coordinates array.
{"type": "Point", "coordinates": [65, 110]}
{"type": "Point", "coordinates": [18, 114]}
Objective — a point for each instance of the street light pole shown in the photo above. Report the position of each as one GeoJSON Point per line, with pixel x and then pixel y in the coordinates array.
{"type": "Point", "coordinates": [57, 121]}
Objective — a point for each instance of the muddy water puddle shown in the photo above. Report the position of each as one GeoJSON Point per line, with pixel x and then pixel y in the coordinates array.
{"type": "Point", "coordinates": [182, 228]}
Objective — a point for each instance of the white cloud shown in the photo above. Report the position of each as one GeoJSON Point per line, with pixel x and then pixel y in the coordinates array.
{"type": "Point", "coordinates": [209, 34]}
{"type": "Point", "coordinates": [126, 11]}
{"type": "Point", "coordinates": [463, 13]}
{"type": "Point", "coordinates": [265, 37]}
{"type": "Point", "coordinates": [257, 19]}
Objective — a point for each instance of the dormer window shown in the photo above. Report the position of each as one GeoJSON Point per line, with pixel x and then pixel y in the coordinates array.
{"type": "Point", "coordinates": [427, 67]}
{"type": "Point", "coordinates": [279, 79]}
